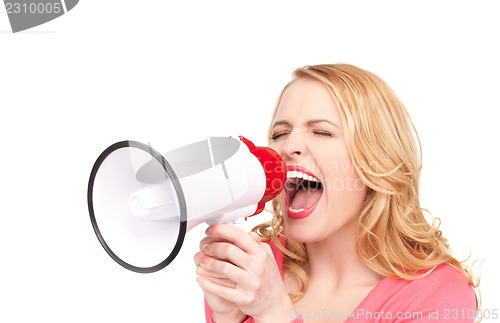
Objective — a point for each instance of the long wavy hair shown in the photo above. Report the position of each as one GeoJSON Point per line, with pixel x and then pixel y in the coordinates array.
{"type": "Point", "coordinates": [396, 237]}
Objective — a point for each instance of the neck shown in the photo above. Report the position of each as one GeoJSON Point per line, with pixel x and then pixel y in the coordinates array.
{"type": "Point", "coordinates": [334, 261]}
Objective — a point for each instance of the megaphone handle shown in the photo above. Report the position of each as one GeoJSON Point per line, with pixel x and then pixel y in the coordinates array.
{"type": "Point", "coordinates": [219, 219]}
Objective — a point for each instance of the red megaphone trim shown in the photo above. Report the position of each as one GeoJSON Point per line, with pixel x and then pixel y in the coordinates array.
{"type": "Point", "coordinates": [274, 169]}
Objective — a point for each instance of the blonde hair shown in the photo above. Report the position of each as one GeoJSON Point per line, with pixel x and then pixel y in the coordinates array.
{"type": "Point", "coordinates": [394, 237]}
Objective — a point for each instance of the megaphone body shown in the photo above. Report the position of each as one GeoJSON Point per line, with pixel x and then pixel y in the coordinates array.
{"type": "Point", "coordinates": [142, 204]}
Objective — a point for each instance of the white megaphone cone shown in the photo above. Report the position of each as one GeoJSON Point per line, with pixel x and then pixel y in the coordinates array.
{"type": "Point", "coordinates": [141, 203]}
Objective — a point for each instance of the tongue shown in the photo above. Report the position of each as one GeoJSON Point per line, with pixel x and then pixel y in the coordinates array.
{"type": "Point", "coordinates": [304, 199]}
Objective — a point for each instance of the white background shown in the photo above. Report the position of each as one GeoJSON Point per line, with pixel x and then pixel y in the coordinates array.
{"type": "Point", "coordinates": [170, 74]}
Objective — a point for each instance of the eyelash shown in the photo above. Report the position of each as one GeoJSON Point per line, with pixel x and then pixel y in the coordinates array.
{"type": "Point", "coordinates": [320, 133]}
{"type": "Point", "coordinates": [323, 133]}
{"type": "Point", "coordinates": [275, 136]}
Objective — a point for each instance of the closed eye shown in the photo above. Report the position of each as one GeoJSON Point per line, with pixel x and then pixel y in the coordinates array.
{"type": "Point", "coordinates": [322, 133]}
{"type": "Point", "coordinates": [277, 135]}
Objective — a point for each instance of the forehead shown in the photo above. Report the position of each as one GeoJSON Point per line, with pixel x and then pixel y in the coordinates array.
{"type": "Point", "coordinates": [307, 99]}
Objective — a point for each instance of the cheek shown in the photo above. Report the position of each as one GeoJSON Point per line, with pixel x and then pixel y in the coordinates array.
{"type": "Point", "coordinates": [350, 195]}
{"type": "Point", "coordinates": [275, 146]}
{"type": "Point", "coordinates": [343, 183]}
{"type": "Point", "coordinates": [354, 184]}
{"type": "Point", "coordinates": [341, 175]}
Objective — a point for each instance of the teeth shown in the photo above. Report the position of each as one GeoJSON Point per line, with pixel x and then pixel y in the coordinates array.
{"type": "Point", "coordinates": [292, 174]}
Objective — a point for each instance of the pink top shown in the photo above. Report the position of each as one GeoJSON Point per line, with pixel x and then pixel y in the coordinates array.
{"type": "Point", "coordinates": [442, 296]}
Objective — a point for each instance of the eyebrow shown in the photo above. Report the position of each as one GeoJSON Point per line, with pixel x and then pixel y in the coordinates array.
{"type": "Point", "coordinates": [308, 123]}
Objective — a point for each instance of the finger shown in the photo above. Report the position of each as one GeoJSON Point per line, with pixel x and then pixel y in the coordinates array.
{"type": "Point", "coordinates": [216, 280]}
{"type": "Point", "coordinates": [199, 258]}
{"type": "Point", "coordinates": [227, 252]}
{"type": "Point", "coordinates": [255, 236]}
{"type": "Point", "coordinates": [234, 235]}
{"type": "Point", "coordinates": [223, 269]}
{"type": "Point", "coordinates": [207, 240]}
{"type": "Point", "coordinates": [228, 293]}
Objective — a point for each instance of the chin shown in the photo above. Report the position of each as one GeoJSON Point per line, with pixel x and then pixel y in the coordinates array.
{"type": "Point", "coordinates": [307, 229]}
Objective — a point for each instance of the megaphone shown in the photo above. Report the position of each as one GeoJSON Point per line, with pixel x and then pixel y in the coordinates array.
{"type": "Point", "coordinates": [142, 203]}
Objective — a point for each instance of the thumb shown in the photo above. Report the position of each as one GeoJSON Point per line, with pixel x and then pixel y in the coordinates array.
{"type": "Point", "coordinates": [259, 241]}
{"type": "Point", "coordinates": [255, 236]}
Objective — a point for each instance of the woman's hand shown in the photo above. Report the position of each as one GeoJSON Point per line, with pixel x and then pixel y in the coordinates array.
{"type": "Point", "coordinates": [223, 310]}
{"type": "Point", "coordinates": [239, 275]}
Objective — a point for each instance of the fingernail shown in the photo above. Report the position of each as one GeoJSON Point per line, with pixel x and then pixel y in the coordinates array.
{"type": "Point", "coordinates": [206, 247]}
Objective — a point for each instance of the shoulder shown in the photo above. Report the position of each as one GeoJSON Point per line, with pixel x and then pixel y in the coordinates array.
{"type": "Point", "coordinates": [444, 285]}
{"type": "Point", "coordinates": [447, 289]}
{"type": "Point", "coordinates": [444, 294]}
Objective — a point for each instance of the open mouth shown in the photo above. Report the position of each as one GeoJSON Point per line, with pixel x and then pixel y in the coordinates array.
{"type": "Point", "coordinates": [303, 192]}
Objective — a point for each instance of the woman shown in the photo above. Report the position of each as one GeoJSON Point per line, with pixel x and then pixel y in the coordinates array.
{"type": "Point", "coordinates": [348, 240]}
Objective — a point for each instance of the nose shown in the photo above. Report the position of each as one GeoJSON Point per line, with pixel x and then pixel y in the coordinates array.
{"type": "Point", "coordinates": [293, 146]}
